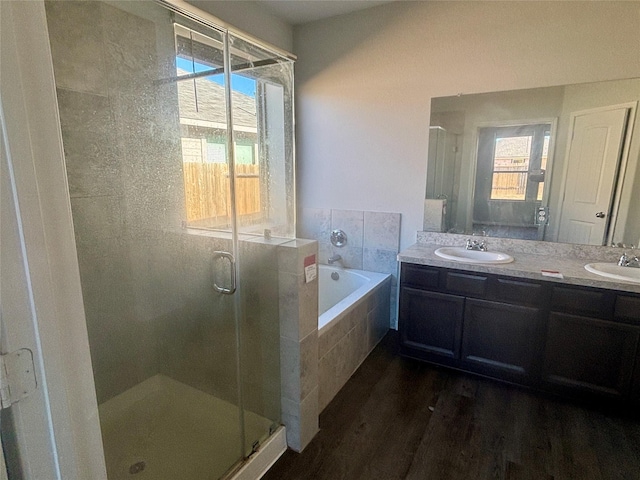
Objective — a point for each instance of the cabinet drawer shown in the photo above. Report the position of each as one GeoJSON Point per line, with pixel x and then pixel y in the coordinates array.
{"type": "Point", "coordinates": [474, 285]}
{"type": "Point", "coordinates": [593, 303]}
{"type": "Point", "coordinates": [628, 309]}
{"type": "Point", "coordinates": [420, 276]}
{"type": "Point", "coordinates": [516, 291]}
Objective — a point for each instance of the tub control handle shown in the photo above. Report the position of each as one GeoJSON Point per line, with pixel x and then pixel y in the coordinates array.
{"type": "Point", "coordinates": [232, 266]}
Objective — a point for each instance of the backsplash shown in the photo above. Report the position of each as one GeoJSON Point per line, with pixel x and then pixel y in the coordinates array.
{"type": "Point", "coordinates": [586, 252]}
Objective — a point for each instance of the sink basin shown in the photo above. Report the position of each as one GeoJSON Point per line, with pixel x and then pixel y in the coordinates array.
{"type": "Point", "coordinates": [614, 271]}
{"type": "Point", "coordinates": [461, 254]}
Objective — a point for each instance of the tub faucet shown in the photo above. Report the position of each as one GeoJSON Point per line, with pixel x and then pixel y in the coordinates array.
{"type": "Point", "coordinates": [334, 258]}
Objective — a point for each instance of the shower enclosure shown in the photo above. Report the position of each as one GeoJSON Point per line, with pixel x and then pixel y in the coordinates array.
{"type": "Point", "coordinates": [178, 140]}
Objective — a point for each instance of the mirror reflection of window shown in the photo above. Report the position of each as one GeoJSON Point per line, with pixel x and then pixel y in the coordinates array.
{"type": "Point", "coordinates": [543, 163]}
{"type": "Point", "coordinates": [510, 176]}
{"type": "Point", "coordinates": [463, 115]}
{"type": "Point", "coordinates": [510, 167]}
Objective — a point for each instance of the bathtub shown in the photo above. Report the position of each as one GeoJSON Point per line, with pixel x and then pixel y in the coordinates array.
{"type": "Point", "coordinates": [337, 295]}
{"type": "Point", "coordinates": [353, 316]}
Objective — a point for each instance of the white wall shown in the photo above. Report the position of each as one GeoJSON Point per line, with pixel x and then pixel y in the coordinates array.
{"type": "Point", "coordinates": [252, 18]}
{"type": "Point", "coordinates": [364, 83]}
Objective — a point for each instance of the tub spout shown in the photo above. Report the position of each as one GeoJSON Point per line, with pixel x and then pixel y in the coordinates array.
{"type": "Point", "coordinates": [333, 259]}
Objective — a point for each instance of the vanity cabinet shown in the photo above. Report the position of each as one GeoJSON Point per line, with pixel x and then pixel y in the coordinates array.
{"type": "Point", "coordinates": [627, 310]}
{"type": "Point", "coordinates": [479, 323]}
{"type": "Point", "coordinates": [432, 326]}
{"type": "Point", "coordinates": [500, 339]}
{"type": "Point", "coordinates": [586, 355]}
{"type": "Point", "coordinates": [575, 341]}
{"type": "Point", "coordinates": [589, 348]}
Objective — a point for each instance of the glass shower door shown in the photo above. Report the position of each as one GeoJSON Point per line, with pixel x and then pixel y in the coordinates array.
{"type": "Point", "coordinates": [146, 110]}
{"type": "Point", "coordinates": [262, 116]}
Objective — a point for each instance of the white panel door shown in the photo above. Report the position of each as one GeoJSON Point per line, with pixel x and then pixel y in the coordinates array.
{"type": "Point", "coordinates": [593, 158]}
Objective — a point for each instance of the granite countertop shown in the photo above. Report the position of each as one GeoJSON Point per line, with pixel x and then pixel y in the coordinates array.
{"type": "Point", "coordinates": [525, 265]}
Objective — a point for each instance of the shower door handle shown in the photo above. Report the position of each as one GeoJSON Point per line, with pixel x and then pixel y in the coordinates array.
{"type": "Point", "coordinates": [232, 266]}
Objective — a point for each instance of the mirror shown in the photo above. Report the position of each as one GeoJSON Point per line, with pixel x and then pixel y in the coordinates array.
{"type": "Point", "coordinates": [555, 164]}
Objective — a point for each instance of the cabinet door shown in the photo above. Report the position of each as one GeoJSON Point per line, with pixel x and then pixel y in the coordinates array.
{"type": "Point", "coordinates": [430, 325]}
{"type": "Point", "coordinates": [587, 355]}
{"type": "Point", "coordinates": [500, 340]}
{"type": "Point", "coordinates": [634, 394]}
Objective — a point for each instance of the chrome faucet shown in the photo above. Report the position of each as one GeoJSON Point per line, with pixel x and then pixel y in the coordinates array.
{"type": "Point", "coordinates": [333, 259]}
{"type": "Point", "coordinates": [476, 245]}
{"type": "Point", "coordinates": [627, 261]}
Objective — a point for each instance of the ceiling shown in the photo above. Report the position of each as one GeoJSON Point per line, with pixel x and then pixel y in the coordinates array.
{"type": "Point", "coordinates": [296, 12]}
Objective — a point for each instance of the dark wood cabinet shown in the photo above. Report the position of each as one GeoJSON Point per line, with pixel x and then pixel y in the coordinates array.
{"type": "Point", "coordinates": [518, 291]}
{"type": "Point", "coordinates": [587, 355]}
{"type": "Point", "coordinates": [627, 309]}
{"type": "Point", "coordinates": [571, 340]}
{"type": "Point", "coordinates": [634, 392]}
{"type": "Point", "coordinates": [500, 339]}
{"type": "Point", "coordinates": [466, 284]}
{"type": "Point", "coordinates": [583, 301]}
{"type": "Point", "coordinates": [433, 325]}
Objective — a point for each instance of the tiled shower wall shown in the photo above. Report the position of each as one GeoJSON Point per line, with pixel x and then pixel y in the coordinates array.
{"type": "Point", "coordinates": [124, 182]}
{"type": "Point", "coordinates": [373, 241]}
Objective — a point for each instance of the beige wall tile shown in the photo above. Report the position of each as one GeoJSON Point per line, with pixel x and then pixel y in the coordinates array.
{"type": "Point", "coordinates": [76, 37]}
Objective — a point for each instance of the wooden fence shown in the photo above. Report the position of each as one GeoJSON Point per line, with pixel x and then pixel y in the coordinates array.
{"type": "Point", "coordinates": [206, 187]}
{"type": "Point", "coordinates": [508, 186]}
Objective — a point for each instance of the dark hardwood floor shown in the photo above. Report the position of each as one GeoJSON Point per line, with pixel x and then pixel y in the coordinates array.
{"type": "Point", "coordinates": [400, 419]}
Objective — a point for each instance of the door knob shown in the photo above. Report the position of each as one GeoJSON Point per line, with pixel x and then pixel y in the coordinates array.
{"type": "Point", "coordinates": [600, 215]}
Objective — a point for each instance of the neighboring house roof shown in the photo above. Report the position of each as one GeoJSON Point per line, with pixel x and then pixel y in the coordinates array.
{"type": "Point", "coordinates": [517, 147]}
{"type": "Point", "coordinates": [211, 102]}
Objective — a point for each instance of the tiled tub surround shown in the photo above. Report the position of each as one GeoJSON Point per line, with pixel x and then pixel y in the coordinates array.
{"type": "Point", "coordinates": [298, 343]}
{"type": "Point", "coordinates": [530, 257]}
{"type": "Point", "coordinates": [357, 324]}
{"type": "Point", "coordinates": [373, 241]}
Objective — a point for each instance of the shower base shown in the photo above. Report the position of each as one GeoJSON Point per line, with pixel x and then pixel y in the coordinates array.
{"type": "Point", "coordinates": [162, 429]}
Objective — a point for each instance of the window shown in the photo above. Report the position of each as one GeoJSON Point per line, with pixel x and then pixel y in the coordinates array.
{"type": "Point", "coordinates": [517, 158]}
{"type": "Point", "coordinates": [510, 174]}
{"type": "Point", "coordinates": [510, 167]}
{"type": "Point", "coordinates": [260, 136]}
